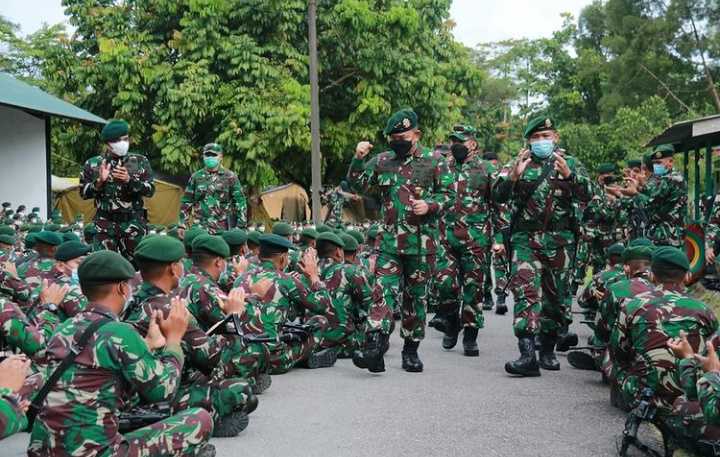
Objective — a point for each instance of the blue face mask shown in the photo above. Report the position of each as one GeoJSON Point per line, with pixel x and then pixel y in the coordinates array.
{"type": "Point", "coordinates": [659, 169]}
{"type": "Point", "coordinates": [74, 278]}
{"type": "Point", "coordinates": [542, 149]}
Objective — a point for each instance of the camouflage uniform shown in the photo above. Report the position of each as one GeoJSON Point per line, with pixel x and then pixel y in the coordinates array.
{"type": "Point", "coordinates": [407, 243]}
{"type": "Point", "coordinates": [120, 219]}
{"type": "Point", "coordinates": [664, 201]}
{"type": "Point", "coordinates": [79, 416]}
{"type": "Point", "coordinates": [499, 261]}
{"type": "Point", "coordinates": [12, 417]}
{"type": "Point", "coordinates": [15, 290]}
{"type": "Point", "coordinates": [35, 271]}
{"type": "Point", "coordinates": [467, 240]}
{"type": "Point", "coordinates": [72, 304]}
{"type": "Point", "coordinates": [19, 333]}
{"type": "Point", "coordinates": [543, 244]}
{"type": "Point", "coordinates": [335, 204]}
{"type": "Point", "coordinates": [214, 200]}
{"type": "Point", "coordinates": [638, 343]}
{"type": "Point", "coordinates": [603, 227]}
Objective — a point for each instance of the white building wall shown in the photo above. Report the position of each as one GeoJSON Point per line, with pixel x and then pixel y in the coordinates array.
{"type": "Point", "coordinates": [23, 173]}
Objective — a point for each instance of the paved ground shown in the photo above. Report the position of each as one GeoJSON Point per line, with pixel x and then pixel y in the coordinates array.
{"type": "Point", "coordinates": [458, 407]}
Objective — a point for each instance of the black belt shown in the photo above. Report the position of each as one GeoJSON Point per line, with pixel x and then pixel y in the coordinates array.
{"type": "Point", "coordinates": [121, 216]}
{"type": "Point", "coordinates": [532, 226]}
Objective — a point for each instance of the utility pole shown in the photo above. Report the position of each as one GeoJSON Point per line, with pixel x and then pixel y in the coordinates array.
{"type": "Point", "coordinates": [316, 160]}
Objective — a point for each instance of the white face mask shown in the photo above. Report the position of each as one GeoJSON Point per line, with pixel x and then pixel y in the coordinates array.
{"type": "Point", "coordinates": [120, 148]}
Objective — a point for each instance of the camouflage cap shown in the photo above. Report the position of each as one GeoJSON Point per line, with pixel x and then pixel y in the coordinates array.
{"type": "Point", "coordinates": [669, 257]}
{"type": "Point", "coordinates": [114, 129]}
{"type": "Point", "coordinates": [401, 121]}
{"type": "Point", "coordinates": [463, 132]}
{"type": "Point", "coordinates": [104, 267]}
{"type": "Point", "coordinates": [329, 237]}
{"type": "Point", "coordinates": [160, 248]}
{"type": "Point", "coordinates": [235, 237]}
{"type": "Point", "coordinates": [47, 237]}
{"type": "Point", "coordinates": [71, 250]}
{"type": "Point", "coordinates": [211, 244]}
{"type": "Point", "coordinates": [351, 244]}
{"type": "Point", "coordinates": [212, 149]}
{"type": "Point", "coordinates": [539, 124]}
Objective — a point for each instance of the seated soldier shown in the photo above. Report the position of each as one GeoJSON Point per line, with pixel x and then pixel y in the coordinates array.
{"type": "Point", "coordinates": [33, 272]}
{"type": "Point", "coordinates": [13, 372]}
{"type": "Point", "coordinates": [288, 291]}
{"type": "Point", "coordinates": [237, 263]}
{"type": "Point", "coordinates": [227, 398]}
{"type": "Point", "coordinates": [79, 416]}
{"type": "Point", "coordinates": [596, 290]}
{"type": "Point", "coordinates": [638, 344]}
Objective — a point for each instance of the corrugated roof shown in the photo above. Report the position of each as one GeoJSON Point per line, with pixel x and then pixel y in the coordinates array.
{"type": "Point", "coordinates": [16, 93]}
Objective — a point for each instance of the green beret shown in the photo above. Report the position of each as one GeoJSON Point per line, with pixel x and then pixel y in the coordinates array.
{"type": "Point", "coordinates": [669, 257]}
{"type": "Point", "coordinates": [647, 160]}
{"type": "Point", "coordinates": [211, 244]}
{"type": "Point", "coordinates": [641, 242]}
{"type": "Point", "coordinates": [606, 168]}
{"type": "Point", "coordinates": [6, 204]}
{"type": "Point", "coordinates": [637, 253]}
{"type": "Point", "coordinates": [357, 235]}
{"type": "Point", "coordinates": [104, 267]}
{"type": "Point", "coordinates": [51, 238]}
{"type": "Point", "coordinates": [322, 228]}
{"type": "Point", "coordinates": [351, 244]}
{"type": "Point", "coordinates": [463, 132]}
{"type": "Point", "coordinates": [193, 233]}
{"type": "Point", "coordinates": [52, 227]}
{"type": "Point", "coordinates": [616, 249]}
{"type": "Point", "coordinates": [662, 151]}
{"type": "Point", "coordinates": [490, 156]}
{"type": "Point", "coordinates": [402, 121]}
{"type": "Point", "coordinates": [160, 248]}
{"type": "Point", "coordinates": [114, 129]}
{"type": "Point", "coordinates": [30, 240]}
{"type": "Point", "coordinates": [90, 229]}
{"type": "Point", "coordinates": [71, 250]}
{"type": "Point", "coordinates": [310, 233]}
{"type": "Point", "coordinates": [254, 238]}
{"type": "Point", "coordinates": [235, 237]}
{"type": "Point", "coordinates": [282, 229]}
{"type": "Point", "coordinates": [373, 232]}
{"type": "Point", "coordinates": [65, 229]}
{"type": "Point", "coordinates": [7, 230]}
{"type": "Point", "coordinates": [634, 163]}
{"type": "Point", "coordinates": [7, 239]}
{"type": "Point", "coordinates": [331, 238]}
{"type": "Point", "coordinates": [70, 236]}
{"type": "Point", "coordinates": [538, 124]}
{"type": "Point", "coordinates": [212, 148]}
{"type": "Point", "coordinates": [274, 241]}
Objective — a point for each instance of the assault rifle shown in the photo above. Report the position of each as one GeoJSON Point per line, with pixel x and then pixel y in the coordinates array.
{"type": "Point", "coordinates": [142, 416]}
{"type": "Point", "coordinates": [644, 411]}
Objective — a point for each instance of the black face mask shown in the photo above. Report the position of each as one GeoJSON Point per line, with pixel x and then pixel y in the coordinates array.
{"type": "Point", "coordinates": [460, 152]}
{"type": "Point", "coordinates": [401, 147]}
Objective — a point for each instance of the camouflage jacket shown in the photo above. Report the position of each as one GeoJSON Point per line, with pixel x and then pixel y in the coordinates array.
{"type": "Point", "coordinates": [664, 201]}
{"type": "Point", "coordinates": [202, 294]}
{"type": "Point", "coordinates": [598, 285]}
{"type": "Point", "coordinates": [335, 205]}
{"type": "Point", "coordinates": [378, 316]}
{"type": "Point", "coordinates": [213, 200]}
{"type": "Point", "coordinates": [80, 414]}
{"type": "Point", "coordinates": [73, 303]}
{"type": "Point", "coordinates": [20, 333]}
{"type": "Point", "coordinates": [115, 196]}
{"type": "Point", "coordinates": [701, 386]}
{"type": "Point", "coordinates": [12, 417]}
{"type": "Point", "coordinates": [34, 272]}
{"type": "Point", "coordinates": [549, 217]}
{"type": "Point", "coordinates": [287, 293]}
{"type": "Point", "coordinates": [423, 175]}
{"type": "Point", "coordinates": [15, 290]}
{"type": "Point", "coordinates": [620, 289]}
{"type": "Point", "coordinates": [603, 219]}
{"type": "Point", "coordinates": [638, 343]}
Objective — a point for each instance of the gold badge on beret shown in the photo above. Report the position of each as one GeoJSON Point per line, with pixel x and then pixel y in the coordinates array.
{"type": "Point", "coordinates": [406, 123]}
{"type": "Point", "coordinates": [548, 123]}
{"type": "Point", "coordinates": [658, 155]}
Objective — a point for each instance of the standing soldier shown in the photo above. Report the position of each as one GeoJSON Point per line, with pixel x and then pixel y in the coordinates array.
{"type": "Point", "coordinates": [500, 266]}
{"type": "Point", "coordinates": [118, 181]}
{"type": "Point", "coordinates": [415, 185]}
{"type": "Point", "coordinates": [214, 198]}
{"type": "Point", "coordinates": [601, 218]}
{"type": "Point", "coordinates": [467, 240]}
{"type": "Point", "coordinates": [542, 188]}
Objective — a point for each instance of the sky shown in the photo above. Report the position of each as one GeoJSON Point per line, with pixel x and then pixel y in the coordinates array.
{"type": "Point", "coordinates": [478, 21]}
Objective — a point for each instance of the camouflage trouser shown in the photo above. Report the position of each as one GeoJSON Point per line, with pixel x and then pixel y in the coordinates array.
{"type": "Point", "coordinates": [414, 271]}
{"type": "Point", "coordinates": [462, 281]}
{"type": "Point", "coordinates": [441, 263]}
{"type": "Point", "coordinates": [581, 263]}
{"type": "Point", "coordinates": [598, 254]}
{"type": "Point", "coordinates": [178, 435]}
{"type": "Point", "coordinates": [688, 421]}
{"type": "Point", "coordinates": [240, 360]}
{"type": "Point", "coordinates": [500, 269]}
{"type": "Point", "coordinates": [540, 280]}
{"type": "Point", "coordinates": [220, 398]}
{"type": "Point", "coordinates": [121, 237]}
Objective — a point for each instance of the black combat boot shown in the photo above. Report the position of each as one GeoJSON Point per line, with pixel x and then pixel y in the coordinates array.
{"type": "Point", "coordinates": [371, 357]}
{"type": "Point", "coordinates": [566, 339]}
{"type": "Point", "coordinates": [500, 307]}
{"type": "Point", "coordinates": [470, 342]}
{"type": "Point", "coordinates": [410, 360]}
{"type": "Point", "coordinates": [451, 334]}
{"type": "Point", "coordinates": [548, 361]}
{"type": "Point", "coordinates": [582, 361]}
{"type": "Point", "coordinates": [439, 322]}
{"type": "Point", "coordinates": [527, 364]}
{"type": "Point", "coordinates": [488, 302]}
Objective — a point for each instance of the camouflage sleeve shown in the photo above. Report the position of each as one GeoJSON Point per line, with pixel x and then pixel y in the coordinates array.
{"type": "Point", "coordinates": [87, 181]}
{"type": "Point", "coordinates": [12, 418]}
{"type": "Point", "coordinates": [688, 376]}
{"type": "Point", "coordinates": [444, 187]}
{"type": "Point", "coordinates": [154, 375]}
{"type": "Point", "coordinates": [708, 391]}
{"type": "Point", "coordinates": [16, 289]}
{"type": "Point", "coordinates": [186, 202]}
{"type": "Point", "coordinates": [17, 330]}
{"type": "Point", "coordinates": [361, 175]}
{"type": "Point", "coordinates": [712, 229]}
{"type": "Point", "coordinates": [209, 307]}
{"type": "Point", "coordinates": [372, 302]}
{"type": "Point", "coordinates": [239, 203]}
{"type": "Point", "coordinates": [314, 298]}
{"type": "Point", "coordinates": [143, 182]}
{"type": "Point", "coordinates": [581, 182]}
{"type": "Point", "coordinates": [620, 345]}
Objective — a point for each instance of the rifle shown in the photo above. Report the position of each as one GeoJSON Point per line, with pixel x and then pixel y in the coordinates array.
{"type": "Point", "coordinates": [232, 325]}
{"type": "Point", "coordinates": [644, 411]}
{"type": "Point", "coordinates": [142, 416]}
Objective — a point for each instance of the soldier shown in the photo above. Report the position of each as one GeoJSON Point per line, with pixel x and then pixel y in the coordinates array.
{"type": "Point", "coordinates": [13, 372]}
{"type": "Point", "coordinates": [638, 343]}
{"type": "Point", "coordinates": [80, 413]}
{"type": "Point", "coordinates": [7, 245]}
{"type": "Point", "coordinates": [336, 203]}
{"type": "Point", "coordinates": [467, 239]}
{"type": "Point", "coordinates": [416, 186]}
{"type": "Point", "coordinates": [214, 198]}
{"type": "Point", "coordinates": [237, 263]}
{"type": "Point", "coordinates": [542, 188]}
{"type": "Point", "coordinates": [601, 217]}
{"type": "Point", "coordinates": [664, 199]}
{"type": "Point", "coordinates": [33, 272]}
{"type": "Point", "coordinates": [117, 182]}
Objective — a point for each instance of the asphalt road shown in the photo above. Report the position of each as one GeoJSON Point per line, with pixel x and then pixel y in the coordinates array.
{"type": "Point", "coordinates": [458, 407]}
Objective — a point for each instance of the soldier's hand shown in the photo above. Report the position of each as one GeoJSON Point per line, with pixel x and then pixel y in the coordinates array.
{"type": "Point", "coordinates": [174, 326]}
{"type": "Point", "coordinates": [235, 302]}
{"type": "Point", "coordinates": [309, 265]}
{"type": "Point", "coordinates": [631, 187]}
{"type": "Point", "coordinates": [520, 165]}
{"type": "Point", "coordinates": [154, 338]}
{"type": "Point", "coordinates": [561, 166]}
{"type": "Point", "coordinates": [419, 207]}
{"type": "Point", "coordinates": [681, 347]}
{"type": "Point", "coordinates": [104, 171]}
{"type": "Point", "coordinates": [120, 174]}
{"type": "Point", "coordinates": [363, 149]}
{"type": "Point", "coordinates": [710, 255]}
{"type": "Point", "coordinates": [241, 265]}
{"type": "Point", "coordinates": [13, 372]}
{"type": "Point", "coordinates": [54, 293]}
{"type": "Point", "coordinates": [260, 288]}
{"type": "Point", "coordinates": [711, 362]}
{"type": "Point", "coordinates": [10, 268]}
{"type": "Point", "coordinates": [498, 248]}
